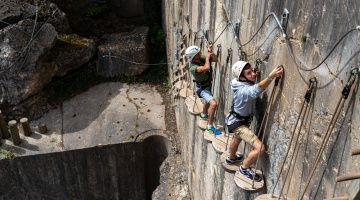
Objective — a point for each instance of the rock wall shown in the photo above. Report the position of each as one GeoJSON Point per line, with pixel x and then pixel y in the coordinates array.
{"type": "Point", "coordinates": [121, 171]}
{"type": "Point", "coordinates": [312, 31]}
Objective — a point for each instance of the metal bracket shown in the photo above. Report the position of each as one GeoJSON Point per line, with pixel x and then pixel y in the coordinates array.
{"type": "Point", "coordinates": [229, 55]}
{"type": "Point", "coordinates": [237, 28]}
{"type": "Point", "coordinates": [206, 34]}
{"type": "Point", "coordinates": [308, 93]}
{"type": "Point", "coordinates": [284, 19]}
{"type": "Point", "coordinates": [187, 19]}
{"type": "Point", "coordinates": [346, 90]}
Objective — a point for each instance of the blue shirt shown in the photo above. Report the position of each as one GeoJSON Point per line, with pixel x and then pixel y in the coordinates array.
{"type": "Point", "coordinates": [245, 95]}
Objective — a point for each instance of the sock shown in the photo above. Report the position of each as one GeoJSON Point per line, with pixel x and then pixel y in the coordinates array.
{"type": "Point", "coordinates": [210, 126]}
{"type": "Point", "coordinates": [203, 115]}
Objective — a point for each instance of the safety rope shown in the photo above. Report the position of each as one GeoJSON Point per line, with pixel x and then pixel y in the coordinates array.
{"type": "Point", "coordinates": [213, 74]}
{"type": "Point", "coordinates": [342, 155]}
{"type": "Point", "coordinates": [221, 82]}
{"type": "Point", "coordinates": [264, 121]}
{"type": "Point", "coordinates": [287, 41]}
{"type": "Point", "coordinates": [133, 62]}
{"type": "Point", "coordinates": [228, 61]}
{"type": "Point", "coordinates": [345, 93]}
{"type": "Point", "coordinates": [325, 58]}
{"type": "Point", "coordinates": [309, 96]}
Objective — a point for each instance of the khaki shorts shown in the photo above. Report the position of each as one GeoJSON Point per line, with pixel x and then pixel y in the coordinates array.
{"type": "Point", "coordinates": [246, 134]}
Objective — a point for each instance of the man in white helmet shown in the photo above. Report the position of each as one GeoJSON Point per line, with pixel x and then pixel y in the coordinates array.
{"type": "Point", "coordinates": [199, 66]}
{"type": "Point", "coordinates": [242, 110]}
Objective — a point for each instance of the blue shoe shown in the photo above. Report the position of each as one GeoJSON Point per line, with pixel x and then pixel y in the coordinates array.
{"type": "Point", "coordinates": [214, 130]}
{"type": "Point", "coordinates": [239, 158]}
{"type": "Point", "coordinates": [249, 173]}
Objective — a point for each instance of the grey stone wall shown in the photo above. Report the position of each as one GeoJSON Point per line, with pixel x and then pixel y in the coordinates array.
{"type": "Point", "coordinates": [121, 171]}
{"type": "Point", "coordinates": [313, 29]}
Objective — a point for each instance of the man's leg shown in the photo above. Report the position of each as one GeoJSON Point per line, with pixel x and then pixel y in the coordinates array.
{"type": "Point", "coordinates": [253, 155]}
{"type": "Point", "coordinates": [205, 108]}
{"type": "Point", "coordinates": [207, 96]}
{"type": "Point", "coordinates": [233, 147]}
{"type": "Point", "coordinates": [211, 110]}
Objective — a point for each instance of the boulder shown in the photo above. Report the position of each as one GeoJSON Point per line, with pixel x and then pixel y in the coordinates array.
{"type": "Point", "coordinates": [54, 16]}
{"type": "Point", "coordinates": [20, 75]}
{"type": "Point", "coordinates": [70, 52]}
{"type": "Point", "coordinates": [121, 53]}
{"type": "Point", "coordinates": [13, 11]}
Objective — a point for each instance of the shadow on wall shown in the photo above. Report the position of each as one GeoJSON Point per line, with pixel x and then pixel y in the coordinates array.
{"type": "Point", "coordinates": [121, 171]}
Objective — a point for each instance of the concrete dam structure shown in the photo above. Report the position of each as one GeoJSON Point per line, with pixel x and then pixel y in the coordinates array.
{"type": "Point", "coordinates": [310, 39]}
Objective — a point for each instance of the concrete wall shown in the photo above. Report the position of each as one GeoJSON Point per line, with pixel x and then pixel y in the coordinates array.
{"type": "Point", "coordinates": [121, 171]}
{"type": "Point", "coordinates": [313, 29]}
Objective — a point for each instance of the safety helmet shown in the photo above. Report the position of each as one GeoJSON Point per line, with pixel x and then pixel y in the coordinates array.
{"type": "Point", "coordinates": [238, 67]}
{"type": "Point", "coordinates": [191, 51]}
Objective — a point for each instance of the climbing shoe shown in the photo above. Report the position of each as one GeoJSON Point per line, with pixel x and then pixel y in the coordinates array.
{"type": "Point", "coordinates": [239, 158]}
{"type": "Point", "coordinates": [204, 116]}
{"type": "Point", "coordinates": [213, 130]}
{"type": "Point", "coordinates": [250, 174]}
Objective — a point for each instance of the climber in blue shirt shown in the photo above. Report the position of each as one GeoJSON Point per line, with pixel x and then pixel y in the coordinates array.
{"type": "Point", "coordinates": [242, 110]}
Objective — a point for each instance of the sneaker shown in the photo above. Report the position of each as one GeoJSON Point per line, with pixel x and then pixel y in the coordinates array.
{"type": "Point", "coordinates": [239, 158]}
{"type": "Point", "coordinates": [204, 116]}
{"type": "Point", "coordinates": [250, 174]}
{"type": "Point", "coordinates": [214, 130]}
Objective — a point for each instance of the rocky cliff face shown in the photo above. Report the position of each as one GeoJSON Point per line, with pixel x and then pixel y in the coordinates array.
{"type": "Point", "coordinates": [37, 45]}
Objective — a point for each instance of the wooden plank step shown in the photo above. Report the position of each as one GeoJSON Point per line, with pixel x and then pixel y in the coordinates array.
{"type": "Point", "coordinates": [245, 183]}
{"type": "Point", "coordinates": [229, 167]}
{"type": "Point", "coordinates": [194, 105]}
{"type": "Point", "coordinates": [202, 124]}
{"type": "Point", "coordinates": [209, 137]}
{"type": "Point", "coordinates": [219, 143]}
{"type": "Point", "coordinates": [267, 197]}
{"type": "Point", "coordinates": [185, 92]}
{"type": "Point", "coordinates": [180, 84]}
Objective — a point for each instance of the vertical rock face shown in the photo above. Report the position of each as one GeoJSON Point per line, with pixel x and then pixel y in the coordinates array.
{"type": "Point", "coordinates": [19, 53]}
{"type": "Point", "coordinates": [314, 28]}
{"type": "Point", "coordinates": [124, 53]}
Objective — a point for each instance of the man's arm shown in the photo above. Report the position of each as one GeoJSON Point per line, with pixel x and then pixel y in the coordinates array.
{"type": "Point", "coordinates": [207, 65]}
{"type": "Point", "coordinates": [277, 72]}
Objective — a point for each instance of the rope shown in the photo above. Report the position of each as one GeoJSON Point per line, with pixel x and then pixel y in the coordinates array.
{"type": "Point", "coordinates": [221, 33]}
{"type": "Point", "coordinates": [326, 57]}
{"type": "Point", "coordinates": [296, 150]}
{"type": "Point", "coordinates": [263, 122]}
{"type": "Point", "coordinates": [218, 55]}
{"type": "Point", "coordinates": [331, 126]}
{"type": "Point", "coordinates": [136, 63]}
{"type": "Point", "coordinates": [221, 82]}
{"type": "Point", "coordinates": [252, 37]}
{"type": "Point", "coordinates": [303, 112]}
{"type": "Point", "coordinates": [307, 142]}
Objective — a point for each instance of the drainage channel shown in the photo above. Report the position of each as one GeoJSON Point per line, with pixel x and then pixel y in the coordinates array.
{"type": "Point", "coordinates": [119, 171]}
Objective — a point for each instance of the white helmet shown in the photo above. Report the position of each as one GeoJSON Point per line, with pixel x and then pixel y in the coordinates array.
{"type": "Point", "coordinates": [191, 52]}
{"type": "Point", "coordinates": [238, 67]}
